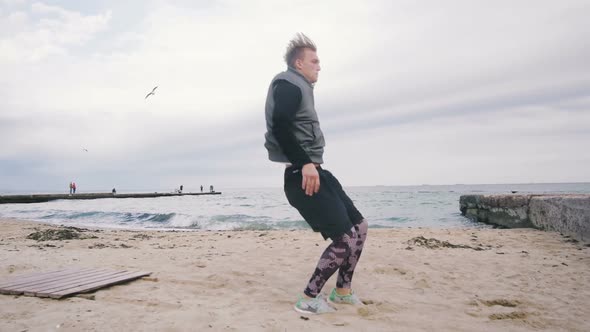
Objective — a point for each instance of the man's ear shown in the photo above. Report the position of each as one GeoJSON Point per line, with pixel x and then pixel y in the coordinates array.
{"type": "Point", "coordinates": [298, 64]}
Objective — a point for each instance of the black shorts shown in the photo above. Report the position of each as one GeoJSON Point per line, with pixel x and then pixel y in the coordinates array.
{"type": "Point", "coordinates": [329, 211]}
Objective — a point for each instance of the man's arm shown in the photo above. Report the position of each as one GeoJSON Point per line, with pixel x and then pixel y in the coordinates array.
{"type": "Point", "coordinates": [287, 99]}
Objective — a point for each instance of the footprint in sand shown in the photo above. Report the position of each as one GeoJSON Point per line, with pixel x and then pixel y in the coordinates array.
{"type": "Point", "coordinates": [215, 281]}
{"type": "Point", "coordinates": [502, 303]}
{"type": "Point", "coordinates": [510, 315]}
{"type": "Point", "coordinates": [200, 264]}
{"type": "Point", "coordinates": [393, 270]}
{"type": "Point", "coordinates": [373, 310]}
{"type": "Point", "coordinates": [14, 268]}
{"type": "Point", "coordinates": [422, 283]}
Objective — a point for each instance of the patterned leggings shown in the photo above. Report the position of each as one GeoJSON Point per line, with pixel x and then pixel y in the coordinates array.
{"type": "Point", "coordinates": [342, 255]}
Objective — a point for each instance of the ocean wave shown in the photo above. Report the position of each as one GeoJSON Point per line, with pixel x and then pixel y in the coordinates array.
{"type": "Point", "coordinates": [156, 217]}
{"type": "Point", "coordinates": [263, 209]}
{"type": "Point", "coordinates": [95, 218]}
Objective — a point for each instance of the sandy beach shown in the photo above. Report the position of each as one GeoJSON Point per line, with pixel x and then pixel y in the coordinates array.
{"type": "Point", "coordinates": [479, 280]}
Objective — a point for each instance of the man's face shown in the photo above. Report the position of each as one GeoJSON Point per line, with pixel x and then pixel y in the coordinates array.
{"type": "Point", "coordinates": [309, 65]}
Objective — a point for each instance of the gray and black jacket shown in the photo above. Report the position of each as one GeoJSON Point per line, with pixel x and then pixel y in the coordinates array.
{"type": "Point", "coordinates": [293, 130]}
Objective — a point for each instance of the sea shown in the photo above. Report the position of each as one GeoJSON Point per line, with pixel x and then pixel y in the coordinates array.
{"type": "Point", "coordinates": [433, 206]}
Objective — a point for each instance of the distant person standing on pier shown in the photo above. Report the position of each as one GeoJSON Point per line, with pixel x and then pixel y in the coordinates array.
{"type": "Point", "coordinates": [211, 188]}
{"type": "Point", "coordinates": [71, 188]}
{"type": "Point", "coordinates": [294, 138]}
{"type": "Point", "coordinates": [74, 187]}
{"type": "Point", "coordinates": [181, 186]}
{"type": "Point", "coordinates": [114, 191]}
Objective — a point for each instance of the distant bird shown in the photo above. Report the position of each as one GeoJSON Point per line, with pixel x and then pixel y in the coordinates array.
{"type": "Point", "coordinates": [151, 93]}
{"type": "Point", "coordinates": [84, 149]}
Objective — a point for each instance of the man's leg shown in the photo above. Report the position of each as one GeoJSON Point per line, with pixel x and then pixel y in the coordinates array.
{"type": "Point", "coordinates": [331, 260]}
{"type": "Point", "coordinates": [347, 268]}
{"type": "Point", "coordinates": [342, 293]}
{"type": "Point", "coordinates": [325, 213]}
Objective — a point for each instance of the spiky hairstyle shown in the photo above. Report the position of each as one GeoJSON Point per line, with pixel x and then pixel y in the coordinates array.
{"type": "Point", "coordinates": [296, 47]}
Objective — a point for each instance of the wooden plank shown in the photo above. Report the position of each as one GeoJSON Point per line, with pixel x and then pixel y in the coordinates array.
{"type": "Point", "coordinates": [59, 284]}
{"type": "Point", "coordinates": [29, 277]}
{"type": "Point", "coordinates": [19, 289]}
{"type": "Point", "coordinates": [53, 279]}
{"type": "Point", "coordinates": [82, 283]}
{"type": "Point", "coordinates": [98, 276]}
{"type": "Point", "coordinates": [16, 289]}
{"type": "Point", "coordinates": [32, 278]}
{"type": "Point", "coordinates": [90, 287]}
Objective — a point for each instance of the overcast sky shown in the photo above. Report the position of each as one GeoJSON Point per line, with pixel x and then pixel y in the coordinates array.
{"type": "Point", "coordinates": [410, 92]}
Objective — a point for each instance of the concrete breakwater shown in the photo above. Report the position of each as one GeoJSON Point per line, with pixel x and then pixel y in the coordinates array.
{"type": "Point", "coordinates": [568, 214]}
{"type": "Point", "coordinates": [40, 198]}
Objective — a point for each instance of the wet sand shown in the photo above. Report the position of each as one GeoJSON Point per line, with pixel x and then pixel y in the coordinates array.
{"type": "Point", "coordinates": [410, 278]}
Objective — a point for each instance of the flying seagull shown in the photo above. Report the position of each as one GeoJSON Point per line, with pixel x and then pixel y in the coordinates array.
{"type": "Point", "coordinates": [151, 93]}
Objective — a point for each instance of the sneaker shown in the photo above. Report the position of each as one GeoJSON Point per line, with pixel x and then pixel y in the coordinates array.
{"type": "Point", "coordinates": [344, 299]}
{"type": "Point", "coordinates": [315, 305]}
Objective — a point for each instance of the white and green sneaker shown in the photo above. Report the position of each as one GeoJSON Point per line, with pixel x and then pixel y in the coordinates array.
{"type": "Point", "coordinates": [345, 299]}
{"type": "Point", "coordinates": [315, 305]}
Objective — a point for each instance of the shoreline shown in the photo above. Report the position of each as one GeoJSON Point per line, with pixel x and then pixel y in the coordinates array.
{"type": "Point", "coordinates": [469, 224]}
{"type": "Point", "coordinates": [520, 280]}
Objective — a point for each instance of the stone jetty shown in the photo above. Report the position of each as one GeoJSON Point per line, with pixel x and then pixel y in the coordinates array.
{"type": "Point", "coordinates": [40, 198]}
{"type": "Point", "coordinates": [568, 214]}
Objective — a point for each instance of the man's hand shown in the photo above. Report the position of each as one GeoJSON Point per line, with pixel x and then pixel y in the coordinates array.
{"type": "Point", "coordinates": [311, 179]}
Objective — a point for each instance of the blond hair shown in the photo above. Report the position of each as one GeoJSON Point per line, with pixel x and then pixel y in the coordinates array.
{"type": "Point", "coordinates": [296, 47]}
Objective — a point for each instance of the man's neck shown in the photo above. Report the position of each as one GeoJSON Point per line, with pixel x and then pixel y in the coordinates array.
{"type": "Point", "coordinates": [296, 71]}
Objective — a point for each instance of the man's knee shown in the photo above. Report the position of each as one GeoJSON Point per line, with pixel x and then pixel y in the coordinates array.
{"type": "Point", "coordinates": [346, 241]}
{"type": "Point", "coordinates": [362, 226]}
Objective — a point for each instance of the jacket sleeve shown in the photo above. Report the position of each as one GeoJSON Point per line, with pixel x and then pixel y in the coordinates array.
{"type": "Point", "coordinates": [287, 98]}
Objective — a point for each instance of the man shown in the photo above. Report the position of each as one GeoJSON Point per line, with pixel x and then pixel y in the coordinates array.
{"type": "Point", "coordinates": [294, 138]}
